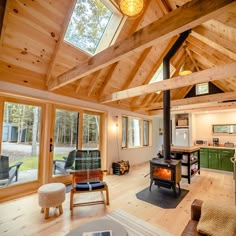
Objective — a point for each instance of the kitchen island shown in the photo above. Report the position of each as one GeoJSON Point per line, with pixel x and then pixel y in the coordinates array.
{"type": "Point", "coordinates": [190, 159]}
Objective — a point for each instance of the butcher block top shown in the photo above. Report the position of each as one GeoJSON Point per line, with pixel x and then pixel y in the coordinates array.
{"type": "Point", "coordinates": [184, 149]}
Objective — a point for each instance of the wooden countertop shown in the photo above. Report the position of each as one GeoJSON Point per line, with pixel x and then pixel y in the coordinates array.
{"type": "Point", "coordinates": [185, 149]}
{"type": "Point", "coordinates": [217, 147]}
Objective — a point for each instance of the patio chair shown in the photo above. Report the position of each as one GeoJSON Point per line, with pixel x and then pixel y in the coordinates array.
{"type": "Point", "coordinates": [8, 173]}
{"type": "Point", "coordinates": [64, 165]}
{"type": "Point", "coordinates": [88, 177]}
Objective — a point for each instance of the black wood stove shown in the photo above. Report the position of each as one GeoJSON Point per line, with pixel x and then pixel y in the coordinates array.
{"type": "Point", "coordinates": [165, 173]}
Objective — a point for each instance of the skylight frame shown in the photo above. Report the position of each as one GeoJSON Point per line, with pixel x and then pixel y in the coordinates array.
{"type": "Point", "coordinates": [110, 33]}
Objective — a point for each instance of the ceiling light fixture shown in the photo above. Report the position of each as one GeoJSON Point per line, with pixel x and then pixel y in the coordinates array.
{"type": "Point", "coordinates": [185, 69]}
{"type": "Point", "coordinates": [131, 8]}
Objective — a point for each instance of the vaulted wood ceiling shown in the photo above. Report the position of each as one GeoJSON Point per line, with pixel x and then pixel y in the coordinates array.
{"type": "Point", "coordinates": [34, 54]}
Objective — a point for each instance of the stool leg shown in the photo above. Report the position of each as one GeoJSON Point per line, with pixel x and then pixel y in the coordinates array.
{"type": "Point", "coordinates": [60, 209]}
{"type": "Point", "coordinates": [42, 210]}
{"type": "Point", "coordinates": [46, 213]}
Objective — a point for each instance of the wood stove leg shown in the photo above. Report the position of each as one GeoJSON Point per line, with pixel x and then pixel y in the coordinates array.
{"type": "Point", "coordinates": [179, 188]}
{"type": "Point", "coordinates": [174, 189]}
{"type": "Point", "coordinates": [150, 187]}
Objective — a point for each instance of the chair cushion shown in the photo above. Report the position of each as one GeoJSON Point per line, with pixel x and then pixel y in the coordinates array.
{"type": "Point", "coordinates": [89, 186]}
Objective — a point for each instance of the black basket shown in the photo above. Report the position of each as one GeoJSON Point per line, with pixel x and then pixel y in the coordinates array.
{"type": "Point", "coordinates": [121, 167]}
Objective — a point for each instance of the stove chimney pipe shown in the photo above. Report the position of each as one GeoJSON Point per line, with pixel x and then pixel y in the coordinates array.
{"type": "Point", "coordinates": [166, 94]}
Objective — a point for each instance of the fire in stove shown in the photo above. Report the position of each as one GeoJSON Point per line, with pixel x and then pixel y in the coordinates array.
{"type": "Point", "coordinates": [162, 173]}
{"type": "Point", "coordinates": [165, 173]}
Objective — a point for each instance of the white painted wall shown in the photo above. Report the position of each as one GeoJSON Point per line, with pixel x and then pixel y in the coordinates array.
{"type": "Point", "coordinates": [113, 138]}
{"type": "Point", "coordinates": [202, 125]}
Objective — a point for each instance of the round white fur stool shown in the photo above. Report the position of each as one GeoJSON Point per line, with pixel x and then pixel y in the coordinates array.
{"type": "Point", "coordinates": [51, 195]}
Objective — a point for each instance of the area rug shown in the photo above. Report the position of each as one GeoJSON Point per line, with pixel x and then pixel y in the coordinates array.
{"type": "Point", "coordinates": [134, 225]}
{"type": "Point", "coordinates": [161, 197]}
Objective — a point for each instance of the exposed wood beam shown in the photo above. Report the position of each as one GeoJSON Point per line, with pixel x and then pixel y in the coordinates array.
{"type": "Point", "coordinates": [210, 107]}
{"type": "Point", "coordinates": [215, 73]}
{"type": "Point", "coordinates": [153, 70]}
{"type": "Point", "coordinates": [195, 12]}
{"type": "Point", "coordinates": [192, 59]}
{"type": "Point", "coordinates": [112, 69]}
{"type": "Point", "coordinates": [219, 97]}
{"type": "Point", "coordinates": [228, 19]}
{"type": "Point", "coordinates": [214, 45]}
{"type": "Point", "coordinates": [78, 85]}
{"type": "Point", "coordinates": [164, 5]}
{"type": "Point", "coordinates": [231, 46]}
{"type": "Point", "coordinates": [94, 82]}
{"type": "Point", "coordinates": [4, 10]}
{"type": "Point", "coordinates": [136, 68]}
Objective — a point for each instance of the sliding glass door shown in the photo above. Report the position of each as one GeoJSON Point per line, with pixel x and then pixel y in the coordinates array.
{"type": "Point", "coordinates": [65, 140]}
{"type": "Point", "coordinates": [19, 162]}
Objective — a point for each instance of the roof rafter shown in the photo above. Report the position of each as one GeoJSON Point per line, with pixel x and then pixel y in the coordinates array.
{"type": "Point", "coordinates": [216, 73]}
{"type": "Point", "coordinates": [196, 12]}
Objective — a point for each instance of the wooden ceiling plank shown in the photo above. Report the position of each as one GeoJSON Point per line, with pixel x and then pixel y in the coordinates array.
{"type": "Point", "coordinates": [231, 46]}
{"type": "Point", "coordinates": [78, 86]}
{"type": "Point", "coordinates": [112, 69]}
{"type": "Point", "coordinates": [94, 82]}
{"type": "Point", "coordinates": [4, 22]}
{"type": "Point", "coordinates": [195, 12]}
{"type": "Point", "coordinates": [192, 59]}
{"type": "Point", "coordinates": [136, 68]}
{"type": "Point", "coordinates": [61, 40]}
{"type": "Point", "coordinates": [216, 73]}
{"type": "Point", "coordinates": [165, 6]}
{"type": "Point", "coordinates": [214, 45]}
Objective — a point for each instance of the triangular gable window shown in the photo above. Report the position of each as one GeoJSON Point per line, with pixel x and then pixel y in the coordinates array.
{"type": "Point", "coordinates": [158, 76]}
{"type": "Point", "coordinates": [93, 25]}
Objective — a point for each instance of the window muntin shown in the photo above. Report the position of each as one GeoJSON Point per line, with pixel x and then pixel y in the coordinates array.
{"type": "Point", "coordinates": [202, 88]}
{"type": "Point", "coordinates": [21, 140]}
{"type": "Point", "coordinates": [135, 132]}
{"type": "Point", "coordinates": [93, 25]}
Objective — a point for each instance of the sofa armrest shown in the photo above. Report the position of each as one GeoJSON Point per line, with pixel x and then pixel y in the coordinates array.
{"type": "Point", "coordinates": [196, 209]}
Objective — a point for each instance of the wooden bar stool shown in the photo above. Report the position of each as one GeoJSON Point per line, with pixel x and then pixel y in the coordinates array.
{"type": "Point", "coordinates": [51, 195]}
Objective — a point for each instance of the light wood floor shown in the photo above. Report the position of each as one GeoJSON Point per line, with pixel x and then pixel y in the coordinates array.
{"type": "Point", "coordinates": [22, 216]}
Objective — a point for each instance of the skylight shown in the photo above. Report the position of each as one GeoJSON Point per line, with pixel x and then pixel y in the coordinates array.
{"type": "Point", "coordinates": [158, 76]}
{"type": "Point", "coordinates": [89, 25]}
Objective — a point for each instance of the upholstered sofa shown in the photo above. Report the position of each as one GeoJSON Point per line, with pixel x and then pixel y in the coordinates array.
{"type": "Point", "coordinates": [191, 227]}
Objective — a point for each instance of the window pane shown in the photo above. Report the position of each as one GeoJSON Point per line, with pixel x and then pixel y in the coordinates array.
{"type": "Point", "coordinates": [91, 131]}
{"type": "Point", "coordinates": [145, 133]}
{"type": "Point", "coordinates": [88, 24]}
{"type": "Point", "coordinates": [202, 88]}
{"type": "Point", "coordinates": [134, 132]}
{"type": "Point", "coordinates": [65, 140]}
{"type": "Point", "coordinates": [20, 144]}
{"type": "Point", "coordinates": [124, 131]}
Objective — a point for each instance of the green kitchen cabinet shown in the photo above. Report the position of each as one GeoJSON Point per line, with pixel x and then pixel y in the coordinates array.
{"type": "Point", "coordinates": [224, 158]}
{"type": "Point", "coordinates": [216, 158]}
{"type": "Point", "coordinates": [204, 159]}
{"type": "Point", "coordinates": [214, 162]}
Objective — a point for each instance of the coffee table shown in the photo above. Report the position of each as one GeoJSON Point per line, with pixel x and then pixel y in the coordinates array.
{"type": "Point", "coordinates": [98, 225]}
